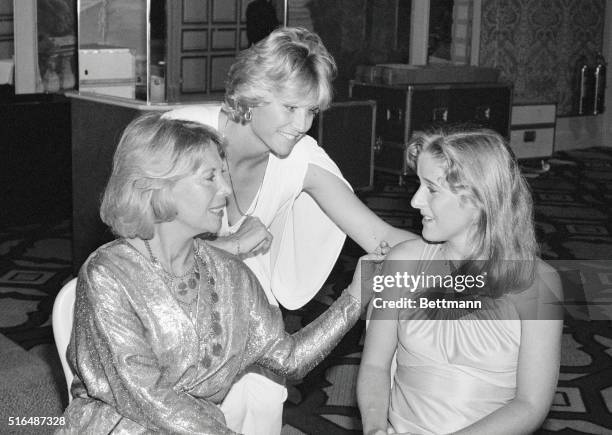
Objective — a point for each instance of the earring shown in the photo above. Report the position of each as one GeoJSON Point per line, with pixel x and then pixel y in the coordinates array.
{"type": "Point", "coordinates": [248, 115]}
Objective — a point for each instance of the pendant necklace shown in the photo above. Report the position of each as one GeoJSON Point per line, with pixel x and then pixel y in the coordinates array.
{"type": "Point", "coordinates": [229, 173]}
{"type": "Point", "coordinates": [185, 286]}
{"type": "Point", "coordinates": [186, 290]}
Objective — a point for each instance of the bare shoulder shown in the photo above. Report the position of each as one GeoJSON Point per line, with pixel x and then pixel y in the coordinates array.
{"type": "Point", "coordinates": [542, 300]}
{"type": "Point", "coordinates": [547, 276]}
{"type": "Point", "coordinates": [544, 268]}
{"type": "Point", "coordinates": [408, 250]}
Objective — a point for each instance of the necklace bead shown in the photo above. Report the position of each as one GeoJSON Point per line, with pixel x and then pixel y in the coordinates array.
{"type": "Point", "coordinates": [186, 290]}
{"type": "Point", "coordinates": [154, 259]}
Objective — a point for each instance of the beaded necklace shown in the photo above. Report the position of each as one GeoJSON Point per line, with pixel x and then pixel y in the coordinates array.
{"type": "Point", "coordinates": [185, 286]}
{"type": "Point", "coordinates": [186, 290]}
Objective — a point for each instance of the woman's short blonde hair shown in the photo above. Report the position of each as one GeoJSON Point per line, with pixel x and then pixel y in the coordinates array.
{"type": "Point", "coordinates": [153, 154]}
{"type": "Point", "coordinates": [480, 167]}
{"type": "Point", "coordinates": [291, 62]}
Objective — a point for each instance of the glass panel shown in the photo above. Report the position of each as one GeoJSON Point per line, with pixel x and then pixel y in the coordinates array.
{"type": "Point", "coordinates": [157, 53]}
{"type": "Point", "coordinates": [440, 30]}
{"type": "Point", "coordinates": [404, 12]}
{"type": "Point", "coordinates": [450, 31]}
{"type": "Point", "coordinates": [462, 32]}
{"type": "Point", "coordinates": [56, 44]}
{"type": "Point", "coordinates": [112, 41]}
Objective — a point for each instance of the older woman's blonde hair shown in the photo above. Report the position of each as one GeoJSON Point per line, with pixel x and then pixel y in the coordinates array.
{"type": "Point", "coordinates": [153, 154]}
{"type": "Point", "coordinates": [291, 62]}
{"type": "Point", "coordinates": [480, 167]}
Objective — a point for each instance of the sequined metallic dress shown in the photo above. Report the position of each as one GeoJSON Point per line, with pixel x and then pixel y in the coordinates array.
{"type": "Point", "coordinates": [144, 365]}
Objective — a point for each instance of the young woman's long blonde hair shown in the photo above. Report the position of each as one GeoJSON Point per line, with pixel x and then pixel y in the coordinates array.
{"type": "Point", "coordinates": [479, 166]}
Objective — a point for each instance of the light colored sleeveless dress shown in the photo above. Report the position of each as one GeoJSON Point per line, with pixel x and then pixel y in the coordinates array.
{"type": "Point", "coordinates": [305, 247]}
{"type": "Point", "coordinates": [451, 373]}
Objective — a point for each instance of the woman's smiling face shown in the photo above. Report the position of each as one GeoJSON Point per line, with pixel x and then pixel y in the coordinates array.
{"type": "Point", "coordinates": [447, 217]}
{"type": "Point", "coordinates": [200, 197]}
{"type": "Point", "coordinates": [282, 122]}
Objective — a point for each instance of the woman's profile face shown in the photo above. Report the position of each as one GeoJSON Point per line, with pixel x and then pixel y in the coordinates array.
{"type": "Point", "coordinates": [282, 122]}
{"type": "Point", "coordinates": [200, 198]}
{"type": "Point", "coordinates": [447, 217]}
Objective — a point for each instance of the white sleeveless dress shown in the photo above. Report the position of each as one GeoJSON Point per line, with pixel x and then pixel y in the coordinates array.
{"type": "Point", "coordinates": [305, 247]}
{"type": "Point", "coordinates": [453, 372]}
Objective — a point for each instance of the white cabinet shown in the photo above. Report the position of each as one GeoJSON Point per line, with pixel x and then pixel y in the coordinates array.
{"type": "Point", "coordinates": [532, 130]}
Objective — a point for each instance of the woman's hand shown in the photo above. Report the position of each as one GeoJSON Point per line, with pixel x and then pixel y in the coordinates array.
{"type": "Point", "coordinates": [252, 238]}
{"type": "Point", "coordinates": [367, 266]}
{"type": "Point", "coordinates": [383, 248]}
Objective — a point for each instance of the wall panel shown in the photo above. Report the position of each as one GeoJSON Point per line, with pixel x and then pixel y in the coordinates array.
{"type": "Point", "coordinates": [536, 44]}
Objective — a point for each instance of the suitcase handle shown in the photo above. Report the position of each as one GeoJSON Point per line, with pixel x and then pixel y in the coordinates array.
{"type": "Point", "coordinates": [378, 144]}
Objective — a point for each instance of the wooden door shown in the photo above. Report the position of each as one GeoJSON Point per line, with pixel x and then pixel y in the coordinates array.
{"type": "Point", "coordinates": [204, 37]}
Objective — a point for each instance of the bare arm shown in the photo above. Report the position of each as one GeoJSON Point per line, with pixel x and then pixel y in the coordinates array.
{"type": "Point", "coordinates": [538, 370]}
{"type": "Point", "coordinates": [252, 238]}
{"type": "Point", "coordinates": [374, 379]}
{"type": "Point", "coordinates": [348, 212]}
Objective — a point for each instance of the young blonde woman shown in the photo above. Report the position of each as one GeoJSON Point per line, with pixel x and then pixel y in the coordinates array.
{"type": "Point", "coordinates": [291, 209]}
{"type": "Point", "coordinates": [465, 370]}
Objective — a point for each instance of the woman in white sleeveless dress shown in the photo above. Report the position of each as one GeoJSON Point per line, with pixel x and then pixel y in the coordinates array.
{"type": "Point", "coordinates": [291, 209]}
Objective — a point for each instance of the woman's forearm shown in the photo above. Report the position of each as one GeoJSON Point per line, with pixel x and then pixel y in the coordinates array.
{"type": "Point", "coordinates": [516, 417]}
{"type": "Point", "coordinates": [252, 238]}
{"type": "Point", "coordinates": [230, 243]}
{"type": "Point", "coordinates": [373, 389]}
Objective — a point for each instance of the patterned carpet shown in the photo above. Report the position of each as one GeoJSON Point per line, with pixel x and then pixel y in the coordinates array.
{"type": "Point", "coordinates": [573, 214]}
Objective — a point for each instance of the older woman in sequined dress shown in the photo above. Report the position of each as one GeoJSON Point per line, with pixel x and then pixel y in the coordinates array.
{"type": "Point", "coordinates": [164, 322]}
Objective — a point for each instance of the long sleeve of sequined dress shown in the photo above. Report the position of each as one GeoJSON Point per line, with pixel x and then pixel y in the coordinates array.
{"type": "Point", "coordinates": [293, 356]}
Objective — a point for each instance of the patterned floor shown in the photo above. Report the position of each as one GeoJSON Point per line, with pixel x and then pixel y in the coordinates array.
{"type": "Point", "coordinates": [573, 214]}
{"type": "Point", "coordinates": [35, 260]}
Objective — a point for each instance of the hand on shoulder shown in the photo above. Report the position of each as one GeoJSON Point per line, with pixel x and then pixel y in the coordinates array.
{"type": "Point", "coordinates": [408, 250]}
